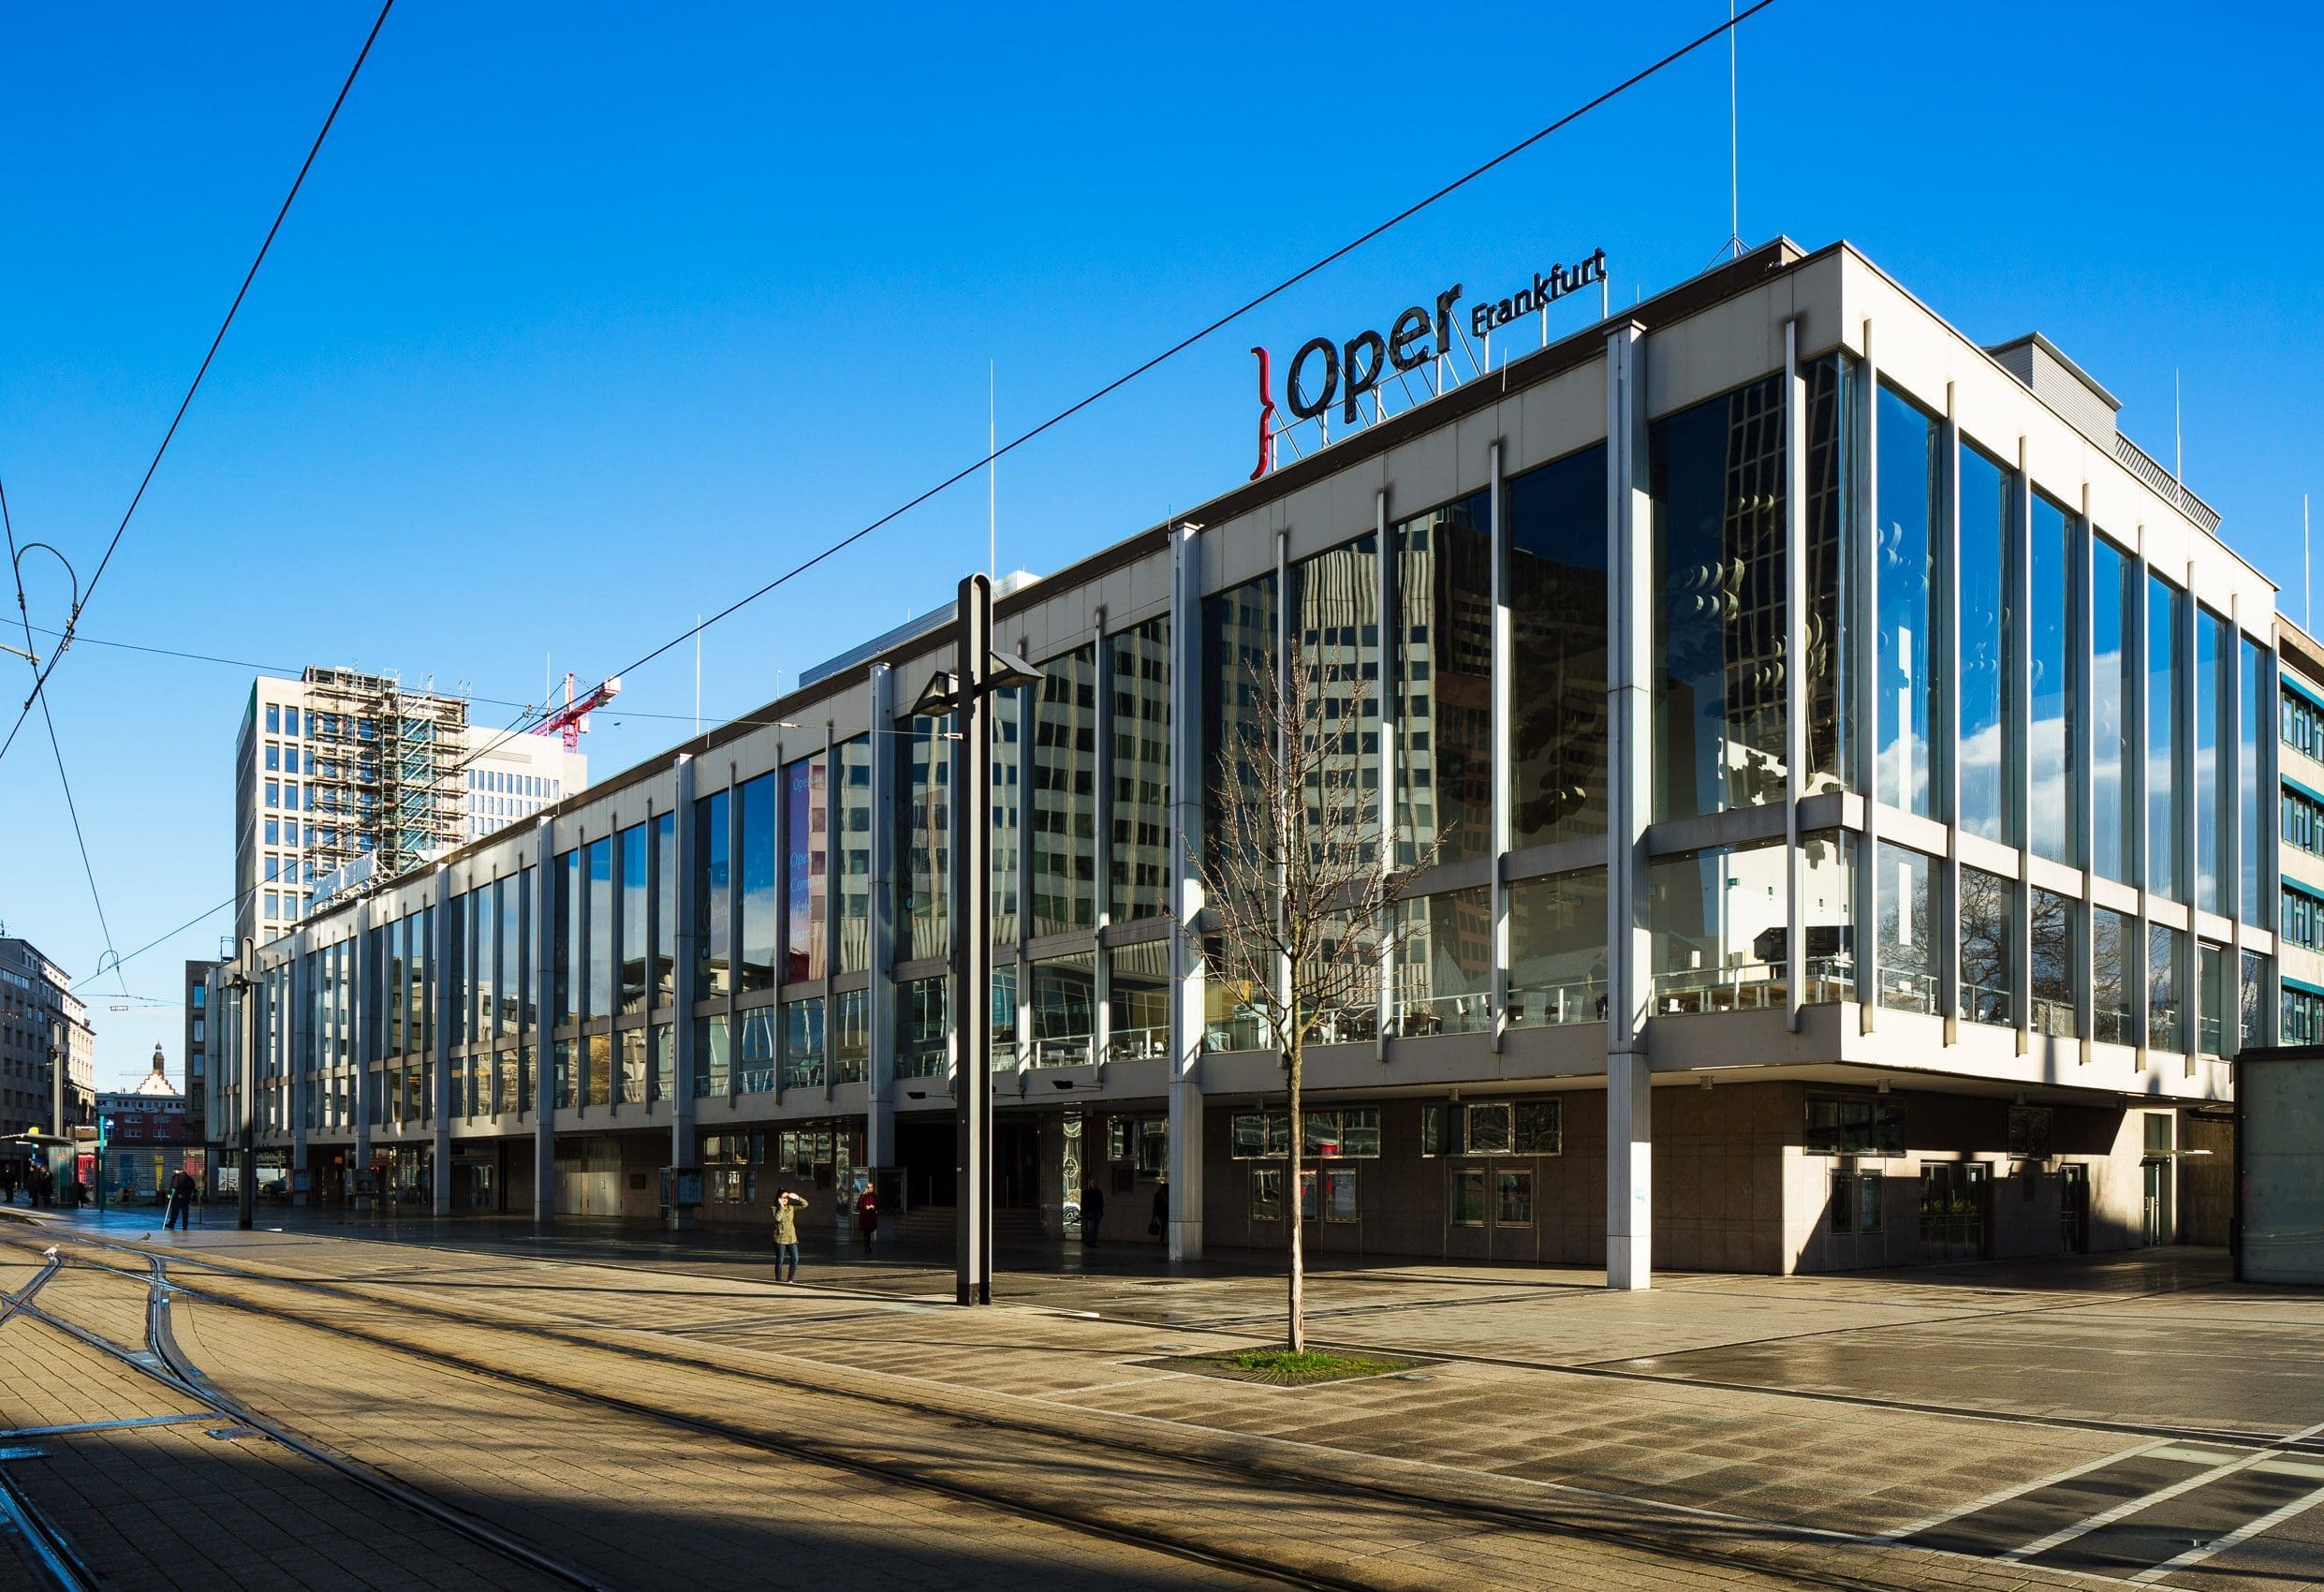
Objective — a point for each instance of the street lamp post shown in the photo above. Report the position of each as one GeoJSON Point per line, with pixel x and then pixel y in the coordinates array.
{"type": "Point", "coordinates": [246, 1024]}
{"type": "Point", "coordinates": [979, 672]}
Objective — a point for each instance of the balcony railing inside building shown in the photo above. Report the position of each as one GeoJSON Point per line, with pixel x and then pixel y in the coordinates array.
{"type": "Point", "coordinates": [1753, 987]}
{"type": "Point", "coordinates": [2054, 1018]}
{"type": "Point", "coordinates": [1988, 1003]}
{"type": "Point", "coordinates": [1058, 1050]}
{"type": "Point", "coordinates": [2110, 1025]}
{"type": "Point", "coordinates": [2210, 1033]}
{"type": "Point", "coordinates": [1904, 991]}
{"type": "Point", "coordinates": [925, 1059]}
{"type": "Point", "coordinates": [1417, 1016]}
{"type": "Point", "coordinates": [1138, 1044]}
{"type": "Point", "coordinates": [1548, 1006]}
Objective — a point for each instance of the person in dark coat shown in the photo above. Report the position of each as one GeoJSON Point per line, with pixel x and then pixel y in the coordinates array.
{"type": "Point", "coordinates": [1093, 1214]}
{"type": "Point", "coordinates": [181, 1200]}
{"type": "Point", "coordinates": [1159, 1229]}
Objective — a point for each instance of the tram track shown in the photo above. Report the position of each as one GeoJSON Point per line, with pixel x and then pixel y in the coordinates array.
{"type": "Point", "coordinates": [168, 1363]}
{"type": "Point", "coordinates": [1220, 1453]}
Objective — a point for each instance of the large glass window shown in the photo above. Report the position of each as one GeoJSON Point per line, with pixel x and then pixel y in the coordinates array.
{"type": "Point", "coordinates": [1830, 528]}
{"type": "Point", "coordinates": [852, 856]}
{"type": "Point", "coordinates": [2253, 981]}
{"type": "Point", "coordinates": [1444, 972]}
{"type": "Point", "coordinates": [807, 821]}
{"type": "Point", "coordinates": [758, 893]}
{"type": "Point", "coordinates": [1908, 959]}
{"type": "Point", "coordinates": [2114, 733]}
{"type": "Point", "coordinates": [755, 1047]}
{"type": "Point", "coordinates": [1238, 642]}
{"type": "Point", "coordinates": [1716, 919]}
{"type": "Point", "coordinates": [1139, 840]}
{"type": "Point", "coordinates": [1443, 700]}
{"type": "Point", "coordinates": [2252, 829]}
{"type": "Point", "coordinates": [851, 1036]}
{"type": "Point", "coordinates": [510, 896]}
{"type": "Point", "coordinates": [1987, 958]}
{"type": "Point", "coordinates": [1335, 628]}
{"type": "Point", "coordinates": [597, 996]}
{"type": "Point", "coordinates": [2056, 652]}
{"type": "Point", "coordinates": [1138, 1001]}
{"type": "Point", "coordinates": [1908, 485]}
{"type": "Point", "coordinates": [1557, 949]}
{"type": "Point", "coordinates": [2113, 974]}
{"type": "Point", "coordinates": [665, 911]}
{"type": "Point", "coordinates": [924, 848]}
{"type": "Point", "coordinates": [568, 933]}
{"type": "Point", "coordinates": [1064, 998]}
{"type": "Point", "coordinates": [1987, 744]}
{"type": "Point", "coordinates": [712, 905]}
{"type": "Point", "coordinates": [1555, 583]}
{"type": "Point", "coordinates": [1008, 871]}
{"type": "Point", "coordinates": [2215, 792]}
{"type": "Point", "coordinates": [1063, 805]}
{"type": "Point", "coordinates": [2210, 997]}
{"type": "Point", "coordinates": [634, 868]}
{"type": "Point", "coordinates": [1717, 483]}
{"type": "Point", "coordinates": [2166, 732]}
{"type": "Point", "coordinates": [2053, 927]}
{"type": "Point", "coordinates": [2163, 1012]}
{"type": "Point", "coordinates": [923, 1028]}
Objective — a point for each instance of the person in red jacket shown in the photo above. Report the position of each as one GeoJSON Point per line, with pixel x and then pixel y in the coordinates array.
{"type": "Point", "coordinates": [867, 1215]}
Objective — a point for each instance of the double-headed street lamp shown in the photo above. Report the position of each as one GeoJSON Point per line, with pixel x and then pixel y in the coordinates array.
{"type": "Point", "coordinates": [964, 692]}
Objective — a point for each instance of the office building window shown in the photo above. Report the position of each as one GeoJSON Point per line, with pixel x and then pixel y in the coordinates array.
{"type": "Point", "coordinates": [2164, 947]}
{"type": "Point", "coordinates": [2113, 736]}
{"type": "Point", "coordinates": [924, 849]}
{"type": "Point", "coordinates": [2113, 940]}
{"type": "Point", "coordinates": [598, 998]}
{"type": "Point", "coordinates": [665, 910]}
{"type": "Point", "coordinates": [712, 907]}
{"type": "Point", "coordinates": [2303, 1014]}
{"type": "Point", "coordinates": [807, 822]}
{"type": "Point", "coordinates": [634, 869]}
{"type": "Point", "coordinates": [2056, 648]}
{"type": "Point", "coordinates": [1988, 964]}
{"type": "Point", "coordinates": [1557, 949]}
{"type": "Point", "coordinates": [1908, 959]}
{"type": "Point", "coordinates": [2053, 973]}
{"type": "Point", "coordinates": [1334, 624]}
{"type": "Point", "coordinates": [1064, 799]}
{"type": "Point", "coordinates": [1238, 650]}
{"type": "Point", "coordinates": [2252, 834]}
{"type": "Point", "coordinates": [758, 889]}
{"type": "Point", "coordinates": [852, 856]}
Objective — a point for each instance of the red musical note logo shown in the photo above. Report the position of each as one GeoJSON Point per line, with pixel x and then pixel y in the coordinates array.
{"type": "Point", "coordinates": [1266, 418]}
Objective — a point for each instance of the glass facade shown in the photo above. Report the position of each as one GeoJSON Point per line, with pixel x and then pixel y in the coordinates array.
{"type": "Point", "coordinates": [1986, 743]}
{"type": "Point", "coordinates": [1442, 702]}
{"type": "Point", "coordinates": [2113, 975]}
{"type": "Point", "coordinates": [1555, 583]}
{"type": "Point", "coordinates": [1138, 862]}
{"type": "Point", "coordinates": [806, 832]}
{"type": "Point", "coordinates": [2114, 740]}
{"type": "Point", "coordinates": [1910, 488]}
{"type": "Point", "coordinates": [1557, 949]}
{"type": "Point", "coordinates": [713, 902]}
{"type": "Point", "coordinates": [757, 893]}
{"type": "Point", "coordinates": [1064, 799]}
{"type": "Point", "coordinates": [2166, 735]}
{"type": "Point", "coordinates": [2250, 768]}
{"type": "Point", "coordinates": [2165, 951]}
{"type": "Point", "coordinates": [851, 858]}
{"type": "Point", "coordinates": [924, 848]}
{"type": "Point", "coordinates": [1988, 950]}
{"type": "Point", "coordinates": [1907, 933]}
{"type": "Point", "coordinates": [2214, 786]}
{"type": "Point", "coordinates": [2054, 634]}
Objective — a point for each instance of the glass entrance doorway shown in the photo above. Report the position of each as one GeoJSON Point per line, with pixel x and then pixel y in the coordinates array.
{"type": "Point", "coordinates": [1954, 1197]}
{"type": "Point", "coordinates": [2154, 1201]}
{"type": "Point", "coordinates": [2074, 1208]}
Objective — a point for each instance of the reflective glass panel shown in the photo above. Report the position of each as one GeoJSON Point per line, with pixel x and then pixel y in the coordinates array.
{"type": "Point", "coordinates": [1064, 804]}
{"type": "Point", "coordinates": [2114, 733]}
{"type": "Point", "coordinates": [664, 909]}
{"type": "Point", "coordinates": [1988, 960]}
{"type": "Point", "coordinates": [2164, 949]}
{"type": "Point", "coordinates": [1908, 959]}
{"type": "Point", "coordinates": [2052, 926]}
{"type": "Point", "coordinates": [1831, 539]}
{"type": "Point", "coordinates": [1908, 486]}
{"type": "Point", "coordinates": [2057, 653]}
{"type": "Point", "coordinates": [924, 850]}
{"type": "Point", "coordinates": [1444, 966]}
{"type": "Point", "coordinates": [1138, 1001]}
{"type": "Point", "coordinates": [1555, 585]}
{"type": "Point", "coordinates": [851, 856]}
{"type": "Point", "coordinates": [1557, 949]}
{"type": "Point", "coordinates": [2166, 732]}
{"type": "Point", "coordinates": [1717, 920]}
{"type": "Point", "coordinates": [1238, 642]}
{"type": "Point", "coordinates": [1442, 697]}
{"type": "Point", "coordinates": [597, 997]}
{"type": "Point", "coordinates": [635, 866]}
{"type": "Point", "coordinates": [1987, 743]}
{"type": "Point", "coordinates": [758, 895]}
{"type": "Point", "coordinates": [2113, 974]}
{"type": "Point", "coordinates": [1717, 483]}
{"type": "Point", "coordinates": [713, 902]}
{"type": "Point", "coordinates": [2215, 792]}
{"type": "Point", "coordinates": [2251, 828]}
{"type": "Point", "coordinates": [807, 823]}
{"type": "Point", "coordinates": [1335, 628]}
{"type": "Point", "coordinates": [1138, 821]}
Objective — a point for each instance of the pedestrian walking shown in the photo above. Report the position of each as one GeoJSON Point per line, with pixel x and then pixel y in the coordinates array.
{"type": "Point", "coordinates": [8, 1182]}
{"type": "Point", "coordinates": [786, 1208]}
{"type": "Point", "coordinates": [867, 1215]}
{"type": "Point", "coordinates": [1159, 1229]}
{"type": "Point", "coordinates": [1093, 1214]}
{"type": "Point", "coordinates": [181, 1200]}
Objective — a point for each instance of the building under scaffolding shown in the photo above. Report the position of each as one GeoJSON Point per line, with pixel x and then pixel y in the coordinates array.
{"type": "Point", "coordinates": [342, 775]}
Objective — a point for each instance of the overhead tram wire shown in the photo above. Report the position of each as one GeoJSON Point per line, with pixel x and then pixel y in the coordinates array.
{"type": "Point", "coordinates": [532, 717]}
{"type": "Point", "coordinates": [304, 166]}
{"type": "Point", "coordinates": [1724, 29]}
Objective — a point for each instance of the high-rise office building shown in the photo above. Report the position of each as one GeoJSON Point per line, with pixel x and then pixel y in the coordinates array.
{"type": "Point", "coordinates": [338, 773]}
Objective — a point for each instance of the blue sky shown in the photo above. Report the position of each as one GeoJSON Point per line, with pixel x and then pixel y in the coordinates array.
{"type": "Point", "coordinates": [592, 317]}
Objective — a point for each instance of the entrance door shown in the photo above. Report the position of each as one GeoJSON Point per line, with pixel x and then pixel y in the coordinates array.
{"type": "Point", "coordinates": [2074, 1208]}
{"type": "Point", "coordinates": [1017, 1166]}
{"type": "Point", "coordinates": [2154, 1201]}
{"type": "Point", "coordinates": [1491, 1206]}
{"type": "Point", "coordinates": [1953, 1199]}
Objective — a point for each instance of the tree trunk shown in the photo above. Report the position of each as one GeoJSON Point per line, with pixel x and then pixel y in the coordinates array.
{"type": "Point", "coordinates": [1297, 1335]}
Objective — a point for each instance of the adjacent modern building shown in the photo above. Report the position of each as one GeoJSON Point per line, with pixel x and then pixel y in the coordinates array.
{"type": "Point", "coordinates": [1831, 756]}
{"type": "Point", "coordinates": [48, 1050]}
{"type": "Point", "coordinates": [340, 776]}
{"type": "Point", "coordinates": [196, 1046]}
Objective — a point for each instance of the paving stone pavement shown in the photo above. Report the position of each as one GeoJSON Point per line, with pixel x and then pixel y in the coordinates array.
{"type": "Point", "coordinates": [1543, 1447]}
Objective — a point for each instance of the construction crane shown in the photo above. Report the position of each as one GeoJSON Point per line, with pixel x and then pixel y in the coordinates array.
{"type": "Point", "coordinates": [573, 717]}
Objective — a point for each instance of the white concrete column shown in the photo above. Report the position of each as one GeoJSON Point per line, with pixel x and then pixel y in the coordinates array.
{"type": "Point", "coordinates": [2135, 955]}
{"type": "Point", "coordinates": [2084, 642]}
{"type": "Point", "coordinates": [1102, 829]}
{"type": "Point", "coordinates": [1501, 683]}
{"type": "Point", "coordinates": [1945, 666]}
{"type": "Point", "coordinates": [1629, 720]}
{"type": "Point", "coordinates": [879, 1118]}
{"type": "Point", "coordinates": [1188, 778]}
{"type": "Point", "coordinates": [1864, 660]}
{"type": "Point", "coordinates": [1795, 667]}
{"type": "Point", "coordinates": [2272, 842]}
{"type": "Point", "coordinates": [2189, 969]}
{"type": "Point", "coordinates": [366, 1003]}
{"type": "Point", "coordinates": [303, 1054]}
{"type": "Point", "coordinates": [440, 1004]}
{"type": "Point", "coordinates": [685, 1061]}
{"type": "Point", "coordinates": [544, 1046]}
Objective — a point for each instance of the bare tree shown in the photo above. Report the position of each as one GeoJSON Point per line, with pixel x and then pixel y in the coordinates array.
{"type": "Point", "coordinates": [1302, 903]}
